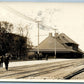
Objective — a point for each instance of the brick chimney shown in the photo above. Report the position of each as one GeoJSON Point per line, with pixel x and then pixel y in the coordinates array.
{"type": "Point", "coordinates": [56, 35]}
{"type": "Point", "coordinates": [50, 34]}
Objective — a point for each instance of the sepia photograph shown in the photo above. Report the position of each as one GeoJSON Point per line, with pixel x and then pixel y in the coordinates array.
{"type": "Point", "coordinates": [41, 41]}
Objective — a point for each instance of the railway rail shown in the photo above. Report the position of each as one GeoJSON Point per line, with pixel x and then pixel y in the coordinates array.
{"type": "Point", "coordinates": [38, 70]}
{"type": "Point", "coordinates": [74, 74]}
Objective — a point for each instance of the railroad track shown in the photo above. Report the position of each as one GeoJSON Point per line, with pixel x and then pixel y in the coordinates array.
{"type": "Point", "coordinates": [40, 71]}
{"type": "Point", "coordinates": [37, 65]}
{"type": "Point", "coordinates": [51, 70]}
{"type": "Point", "coordinates": [43, 72]}
{"type": "Point", "coordinates": [31, 71]}
{"type": "Point", "coordinates": [20, 68]}
{"type": "Point", "coordinates": [74, 74]}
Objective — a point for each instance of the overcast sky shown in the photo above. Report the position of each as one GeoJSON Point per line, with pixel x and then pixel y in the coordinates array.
{"type": "Point", "coordinates": [68, 18]}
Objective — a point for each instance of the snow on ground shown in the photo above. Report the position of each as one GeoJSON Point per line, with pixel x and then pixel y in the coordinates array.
{"type": "Point", "coordinates": [22, 63]}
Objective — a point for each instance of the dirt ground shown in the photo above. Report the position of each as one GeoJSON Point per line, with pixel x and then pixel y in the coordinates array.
{"type": "Point", "coordinates": [48, 70]}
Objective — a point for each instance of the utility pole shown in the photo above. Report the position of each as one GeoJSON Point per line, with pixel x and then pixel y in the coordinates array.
{"type": "Point", "coordinates": [38, 34]}
{"type": "Point", "coordinates": [55, 44]}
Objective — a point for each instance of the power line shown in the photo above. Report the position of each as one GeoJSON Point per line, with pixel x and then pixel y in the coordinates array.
{"type": "Point", "coordinates": [19, 14]}
{"type": "Point", "coordinates": [29, 18]}
{"type": "Point", "coordinates": [12, 10]}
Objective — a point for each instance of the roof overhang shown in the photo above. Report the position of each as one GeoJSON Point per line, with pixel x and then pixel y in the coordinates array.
{"type": "Point", "coordinates": [52, 50]}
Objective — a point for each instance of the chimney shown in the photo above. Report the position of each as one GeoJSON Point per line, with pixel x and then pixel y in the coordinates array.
{"type": "Point", "coordinates": [50, 34]}
{"type": "Point", "coordinates": [56, 35]}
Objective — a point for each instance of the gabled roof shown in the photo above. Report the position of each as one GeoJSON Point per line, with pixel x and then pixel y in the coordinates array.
{"type": "Point", "coordinates": [66, 39]}
{"type": "Point", "coordinates": [49, 43]}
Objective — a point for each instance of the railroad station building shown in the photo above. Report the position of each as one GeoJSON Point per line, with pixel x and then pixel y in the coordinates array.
{"type": "Point", "coordinates": [64, 47]}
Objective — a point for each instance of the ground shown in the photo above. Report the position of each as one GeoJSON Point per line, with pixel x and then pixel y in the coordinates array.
{"type": "Point", "coordinates": [52, 69]}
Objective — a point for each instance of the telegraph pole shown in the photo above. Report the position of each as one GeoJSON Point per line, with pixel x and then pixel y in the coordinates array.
{"type": "Point", "coordinates": [55, 43]}
{"type": "Point", "coordinates": [38, 34]}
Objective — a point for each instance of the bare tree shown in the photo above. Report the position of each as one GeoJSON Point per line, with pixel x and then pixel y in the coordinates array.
{"type": "Point", "coordinates": [27, 30]}
{"type": "Point", "coordinates": [20, 29]}
{"type": "Point", "coordinates": [6, 27]}
{"type": "Point", "coordinates": [27, 35]}
{"type": "Point", "coordinates": [10, 29]}
{"type": "Point", "coordinates": [24, 31]}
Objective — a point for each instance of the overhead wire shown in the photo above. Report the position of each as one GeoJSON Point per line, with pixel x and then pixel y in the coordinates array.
{"type": "Point", "coordinates": [12, 10]}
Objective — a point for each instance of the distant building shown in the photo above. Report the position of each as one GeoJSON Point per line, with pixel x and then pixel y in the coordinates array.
{"type": "Point", "coordinates": [65, 47]}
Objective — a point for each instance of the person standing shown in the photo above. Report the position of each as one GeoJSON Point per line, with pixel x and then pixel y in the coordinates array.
{"type": "Point", "coordinates": [6, 61]}
{"type": "Point", "coordinates": [46, 57]}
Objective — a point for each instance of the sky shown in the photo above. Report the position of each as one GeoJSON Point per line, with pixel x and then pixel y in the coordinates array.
{"type": "Point", "coordinates": [67, 18]}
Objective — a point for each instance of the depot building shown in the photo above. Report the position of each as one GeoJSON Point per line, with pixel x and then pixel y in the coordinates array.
{"type": "Point", "coordinates": [64, 47]}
